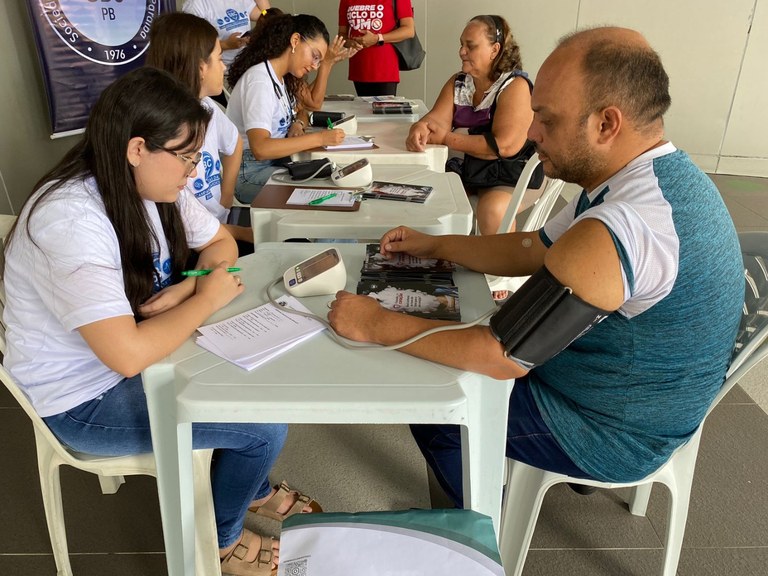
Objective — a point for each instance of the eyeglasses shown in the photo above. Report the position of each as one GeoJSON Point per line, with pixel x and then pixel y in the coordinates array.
{"type": "Point", "coordinates": [192, 161]}
{"type": "Point", "coordinates": [317, 56]}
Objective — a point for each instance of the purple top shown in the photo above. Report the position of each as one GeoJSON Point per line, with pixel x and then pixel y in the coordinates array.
{"type": "Point", "coordinates": [465, 115]}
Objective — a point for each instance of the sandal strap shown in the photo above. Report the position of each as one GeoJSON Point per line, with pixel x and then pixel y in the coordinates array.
{"type": "Point", "coordinates": [239, 553]}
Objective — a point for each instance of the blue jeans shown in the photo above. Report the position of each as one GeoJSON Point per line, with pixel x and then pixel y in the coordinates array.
{"type": "Point", "coordinates": [252, 176]}
{"type": "Point", "coordinates": [529, 440]}
{"type": "Point", "coordinates": [117, 423]}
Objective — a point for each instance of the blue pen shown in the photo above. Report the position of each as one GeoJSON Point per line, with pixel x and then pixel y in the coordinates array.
{"type": "Point", "coordinates": [322, 199]}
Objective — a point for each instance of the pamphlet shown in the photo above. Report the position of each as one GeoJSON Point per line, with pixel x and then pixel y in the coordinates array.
{"type": "Point", "coordinates": [423, 299]}
{"type": "Point", "coordinates": [400, 192]}
{"type": "Point", "coordinates": [417, 286]}
{"type": "Point", "coordinates": [391, 108]}
{"type": "Point", "coordinates": [252, 338]}
{"type": "Point", "coordinates": [403, 266]}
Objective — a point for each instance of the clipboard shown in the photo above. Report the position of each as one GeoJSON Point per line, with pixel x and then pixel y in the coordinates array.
{"type": "Point", "coordinates": [276, 196]}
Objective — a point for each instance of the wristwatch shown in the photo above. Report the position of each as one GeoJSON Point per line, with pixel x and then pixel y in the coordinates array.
{"type": "Point", "coordinates": [381, 40]}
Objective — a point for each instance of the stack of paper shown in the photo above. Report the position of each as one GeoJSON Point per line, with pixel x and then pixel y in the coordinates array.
{"type": "Point", "coordinates": [253, 337]}
{"type": "Point", "coordinates": [350, 143]}
{"type": "Point", "coordinates": [321, 197]}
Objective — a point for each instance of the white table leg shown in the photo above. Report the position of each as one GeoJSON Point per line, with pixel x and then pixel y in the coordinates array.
{"type": "Point", "coordinates": [483, 442]}
{"type": "Point", "coordinates": [172, 445]}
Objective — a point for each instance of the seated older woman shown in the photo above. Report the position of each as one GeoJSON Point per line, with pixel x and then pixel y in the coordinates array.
{"type": "Point", "coordinates": [490, 74]}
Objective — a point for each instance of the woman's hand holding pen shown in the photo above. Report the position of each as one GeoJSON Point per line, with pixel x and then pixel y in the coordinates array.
{"type": "Point", "coordinates": [220, 290]}
{"type": "Point", "coordinates": [219, 287]}
{"type": "Point", "coordinates": [331, 137]}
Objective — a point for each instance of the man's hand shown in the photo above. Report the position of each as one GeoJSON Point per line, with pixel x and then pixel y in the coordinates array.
{"type": "Point", "coordinates": [354, 316]}
{"type": "Point", "coordinates": [404, 239]}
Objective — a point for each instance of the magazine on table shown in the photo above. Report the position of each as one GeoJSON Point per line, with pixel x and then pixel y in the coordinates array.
{"type": "Point", "coordinates": [399, 192]}
{"type": "Point", "coordinates": [403, 266]}
{"type": "Point", "coordinates": [438, 301]}
{"type": "Point", "coordinates": [392, 107]}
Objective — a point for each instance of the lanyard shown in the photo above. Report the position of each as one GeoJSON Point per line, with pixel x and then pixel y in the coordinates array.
{"type": "Point", "coordinates": [283, 97]}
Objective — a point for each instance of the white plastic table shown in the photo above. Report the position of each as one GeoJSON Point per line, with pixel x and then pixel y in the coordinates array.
{"type": "Point", "coordinates": [389, 136]}
{"type": "Point", "coordinates": [446, 211]}
{"type": "Point", "coordinates": [318, 382]}
{"type": "Point", "coordinates": [364, 113]}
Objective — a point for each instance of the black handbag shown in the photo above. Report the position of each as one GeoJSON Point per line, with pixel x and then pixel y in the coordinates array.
{"type": "Point", "coordinates": [503, 171]}
{"type": "Point", "coordinates": [410, 54]}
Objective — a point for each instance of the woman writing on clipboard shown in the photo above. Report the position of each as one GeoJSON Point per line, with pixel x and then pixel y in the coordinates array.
{"type": "Point", "coordinates": [374, 69]}
{"type": "Point", "coordinates": [267, 79]}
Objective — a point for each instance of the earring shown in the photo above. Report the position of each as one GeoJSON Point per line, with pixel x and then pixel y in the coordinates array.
{"type": "Point", "coordinates": [293, 50]}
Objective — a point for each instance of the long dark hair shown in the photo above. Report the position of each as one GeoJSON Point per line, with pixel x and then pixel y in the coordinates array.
{"type": "Point", "coordinates": [498, 30]}
{"type": "Point", "coordinates": [271, 40]}
{"type": "Point", "coordinates": [146, 103]}
{"type": "Point", "coordinates": [178, 43]}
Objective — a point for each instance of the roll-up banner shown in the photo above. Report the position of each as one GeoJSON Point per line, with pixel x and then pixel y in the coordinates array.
{"type": "Point", "coordinates": [83, 45]}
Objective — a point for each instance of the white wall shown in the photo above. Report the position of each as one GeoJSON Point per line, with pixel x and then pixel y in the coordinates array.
{"type": "Point", "coordinates": [713, 50]}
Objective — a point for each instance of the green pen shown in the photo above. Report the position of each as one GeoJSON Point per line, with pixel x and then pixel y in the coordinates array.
{"type": "Point", "coordinates": [205, 271]}
{"type": "Point", "coordinates": [322, 199]}
{"type": "Point", "coordinates": [330, 124]}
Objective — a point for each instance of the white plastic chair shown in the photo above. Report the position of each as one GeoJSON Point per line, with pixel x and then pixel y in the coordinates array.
{"type": "Point", "coordinates": [110, 470]}
{"type": "Point", "coordinates": [539, 212]}
{"type": "Point", "coordinates": [526, 485]}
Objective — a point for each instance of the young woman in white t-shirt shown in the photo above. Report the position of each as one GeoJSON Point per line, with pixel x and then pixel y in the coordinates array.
{"type": "Point", "coordinates": [94, 295]}
{"type": "Point", "coordinates": [267, 79]}
{"type": "Point", "coordinates": [187, 46]}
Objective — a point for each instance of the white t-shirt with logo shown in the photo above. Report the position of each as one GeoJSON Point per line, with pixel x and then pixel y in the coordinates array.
{"type": "Point", "coordinates": [259, 100]}
{"type": "Point", "coordinates": [74, 277]}
{"type": "Point", "coordinates": [227, 16]}
{"type": "Point", "coordinates": [220, 138]}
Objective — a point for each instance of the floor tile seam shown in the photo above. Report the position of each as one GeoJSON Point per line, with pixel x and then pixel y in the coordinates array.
{"type": "Point", "coordinates": [750, 405]}
{"type": "Point", "coordinates": [752, 206]}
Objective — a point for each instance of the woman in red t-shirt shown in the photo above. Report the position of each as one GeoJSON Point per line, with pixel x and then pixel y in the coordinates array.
{"type": "Point", "coordinates": [374, 69]}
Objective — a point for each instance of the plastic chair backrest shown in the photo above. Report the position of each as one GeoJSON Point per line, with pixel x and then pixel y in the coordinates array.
{"type": "Point", "coordinates": [518, 194]}
{"type": "Point", "coordinates": [753, 330]}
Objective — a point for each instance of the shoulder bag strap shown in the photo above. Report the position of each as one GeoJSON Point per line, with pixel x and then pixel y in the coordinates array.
{"type": "Point", "coordinates": [489, 138]}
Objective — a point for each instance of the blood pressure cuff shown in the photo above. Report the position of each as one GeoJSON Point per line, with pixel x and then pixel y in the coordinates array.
{"type": "Point", "coordinates": [320, 119]}
{"type": "Point", "coordinates": [305, 169]}
{"type": "Point", "coordinates": [541, 319]}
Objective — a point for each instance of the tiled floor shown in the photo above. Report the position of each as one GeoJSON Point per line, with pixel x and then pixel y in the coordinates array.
{"type": "Point", "coordinates": [369, 468]}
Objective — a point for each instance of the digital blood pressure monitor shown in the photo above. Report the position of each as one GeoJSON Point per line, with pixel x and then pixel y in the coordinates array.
{"type": "Point", "coordinates": [356, 175]}
{"type": "Point", "coordinates": [323, 273]}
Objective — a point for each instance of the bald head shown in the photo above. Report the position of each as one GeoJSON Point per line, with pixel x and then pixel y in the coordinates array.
{"type": "Point", "coordinates": [619, 68]}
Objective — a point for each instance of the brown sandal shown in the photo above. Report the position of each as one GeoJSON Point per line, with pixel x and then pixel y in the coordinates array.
{"type": "Point", "coordinates": [235, 562]}
{"type": "Point", "coordinates": [269, 508]}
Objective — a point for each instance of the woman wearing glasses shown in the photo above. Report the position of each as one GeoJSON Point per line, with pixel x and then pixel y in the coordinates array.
{"type": "Point", "coordinates": [95, 295]}
{"type": "Point", "coordinates": [267, 79]}
{"type": "Point", "coordinates": [187, 46]}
